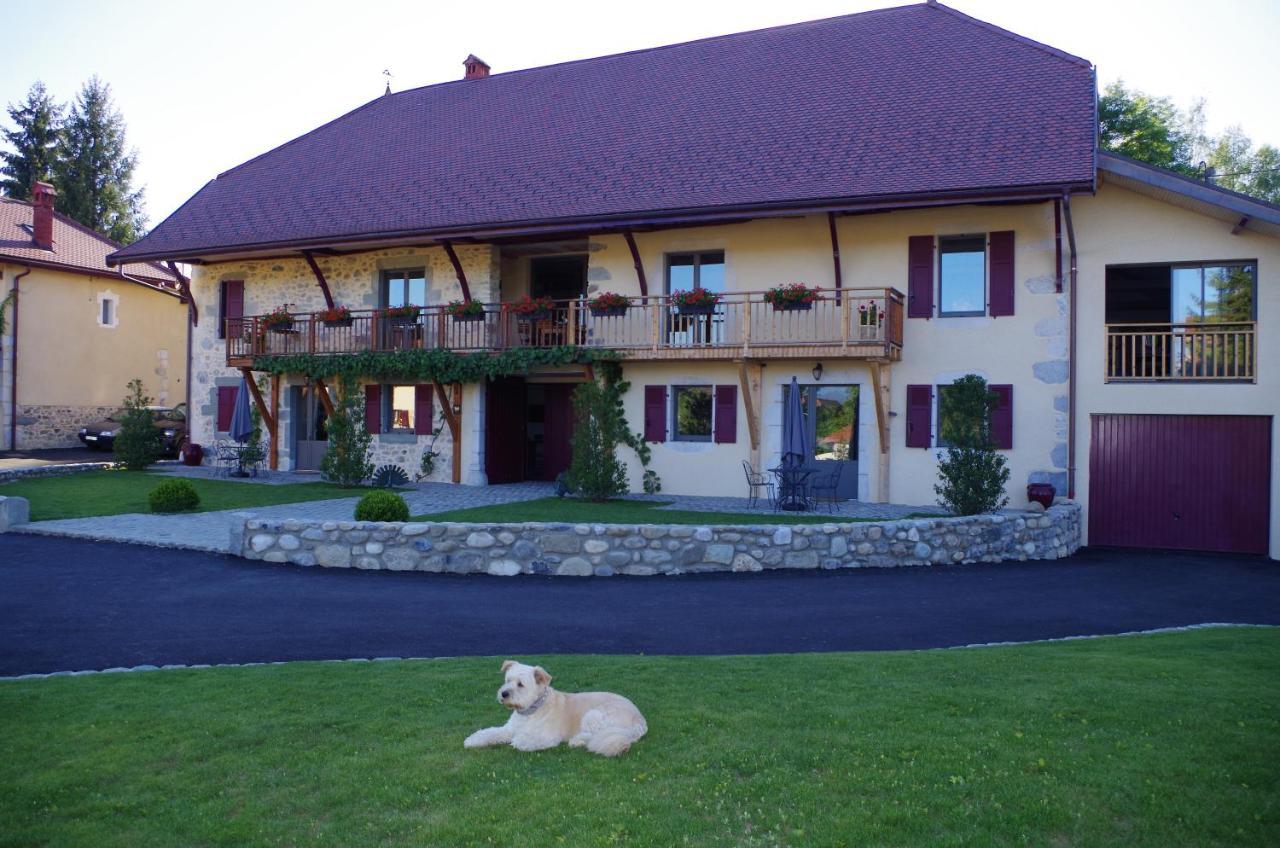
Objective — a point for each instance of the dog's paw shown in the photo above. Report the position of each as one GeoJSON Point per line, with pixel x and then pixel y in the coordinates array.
{"type": "Point", "coordinates": [475, 740]}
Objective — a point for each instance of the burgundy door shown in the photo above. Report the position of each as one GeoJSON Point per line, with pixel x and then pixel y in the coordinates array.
{"type": "Point", "coordinates": [1184, 482]}
{"type": "Point", "coordinates": [504, 430]}
{"type": "Point", "coordinates": [557, 429]}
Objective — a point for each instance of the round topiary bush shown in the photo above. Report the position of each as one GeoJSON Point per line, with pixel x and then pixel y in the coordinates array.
{"type": "Point", "coordinates": [382, 506]}
{"type": "Point", "coordinates": [174, 496]}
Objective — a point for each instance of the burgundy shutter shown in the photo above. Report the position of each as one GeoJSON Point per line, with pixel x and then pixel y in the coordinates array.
{"type": "Point", "coordinates": [423, 419]}
{"type": "Point", "coordinates": [373, 409]}
{"type": "Point", "coordinates": [232, 307]}
{"type": "Point", "coordinates": [655, 413]}
{"type": "Point", "coordinates": [226, 407]}
{"type": "Point", "coordinates": [1002, 418]}
{"type": "Point", "coordinates": [920, 277]}
{"type": "Point", "coordinates": [726, 414]}
{"type": "Point", "coordinates": [919, 415]}
{"type": "Point", "coordinates": [1001, 253]}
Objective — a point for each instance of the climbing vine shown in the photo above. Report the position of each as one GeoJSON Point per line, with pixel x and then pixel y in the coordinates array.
{"type": "Point", "coordinates": [4, 306]}
{"type": "Point", "coordinates": [444, 366]}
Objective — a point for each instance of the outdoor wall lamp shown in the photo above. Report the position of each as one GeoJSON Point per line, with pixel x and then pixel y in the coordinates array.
{"type": "Point", "coordinates": [817, 372]}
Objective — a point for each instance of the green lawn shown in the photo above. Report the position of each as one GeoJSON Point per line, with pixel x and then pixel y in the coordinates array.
{"type": "Point", "coordinates": [1161, 740]}
{"type": "Point", "coordinates": [116, 492]}
{"type": "Point", "coordinates": [572, 511]}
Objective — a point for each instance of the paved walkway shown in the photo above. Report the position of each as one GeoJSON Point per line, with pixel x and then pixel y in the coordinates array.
{"type": "Point", "coordinates": [69, 605]}
{"type": "Point", "coordinates": [13, 460]}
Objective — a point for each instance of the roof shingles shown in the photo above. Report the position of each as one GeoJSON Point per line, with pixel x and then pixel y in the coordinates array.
{"type": "Point", "coordinates": [912, 100]}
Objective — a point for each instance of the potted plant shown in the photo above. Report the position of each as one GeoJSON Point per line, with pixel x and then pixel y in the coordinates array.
{"type": "Point", "coordinates": [466, 310]}
{"type": "Point", "coordinates": [695, 302]}
{"type": "Point", "coordinates": [791, 297]}
{"type": "Point", "coordinates": [278, 320]}
{"type": "Point", "coordinates": [336, 316]}
{"type": "Point", "coordinates": [608, 305]}
{"type": "Point", "coordinates": [400, 315]}
{"type": "Point", "coordinates": [532, 308]}
{"type": "Point", "coordinates": [870, 317]}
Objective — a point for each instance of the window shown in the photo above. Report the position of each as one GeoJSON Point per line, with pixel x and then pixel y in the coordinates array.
{"type": "Point", "coordinates": [687, 271]}
{"type": "Point", "coordinates": [108, 305]}
{"type": "Point", "coordinates": [399, 409]}
{"type": "Point", "coordinates": [230, 307]}
{"type": "Point", "coordinates": [1212, 294]}
{"type": "Point", "coordinates": [962, 272]}
{"type": "Point", "coordinates": [943, 412]}
{"type": "Point", "coordinates": [691, 413]}
{"type": "Point", "coordinates": [404, 288]}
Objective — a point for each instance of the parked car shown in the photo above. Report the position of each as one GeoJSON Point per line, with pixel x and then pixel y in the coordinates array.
{"type": "Point", "coordinates": [171, 421]}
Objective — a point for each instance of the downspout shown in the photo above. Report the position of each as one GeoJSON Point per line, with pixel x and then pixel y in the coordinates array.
{"type": "Point", "coordinates": [13, 375]}
{"type": "Point", "coordinates": [1071, 351]}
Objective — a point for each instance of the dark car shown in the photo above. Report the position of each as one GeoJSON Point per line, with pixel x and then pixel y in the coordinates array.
{"type": "Point", "coordinates": [170, 421]}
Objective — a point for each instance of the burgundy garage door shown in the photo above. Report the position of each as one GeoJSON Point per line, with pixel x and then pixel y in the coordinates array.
{"type": "Point", "coordinates": [1186, 482]}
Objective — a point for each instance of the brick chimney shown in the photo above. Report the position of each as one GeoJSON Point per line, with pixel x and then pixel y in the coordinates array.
{"type": "Point", "coordinates": [476, 67]}
{"type": "Point", "coordinates": [42, 195]}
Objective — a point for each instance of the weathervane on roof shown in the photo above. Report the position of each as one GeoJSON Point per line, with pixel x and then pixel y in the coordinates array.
{"type": "Point", "coordinates": [386, 73]}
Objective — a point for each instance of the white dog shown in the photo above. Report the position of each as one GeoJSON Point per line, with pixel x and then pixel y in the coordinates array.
{"type": "Point", "coordinates": [541, 717]}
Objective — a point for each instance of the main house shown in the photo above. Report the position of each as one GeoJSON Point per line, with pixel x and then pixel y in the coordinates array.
{"type": "Point", "coordinates": [938, 178]}
{"type": "Point", "coordinates": [75, 331]}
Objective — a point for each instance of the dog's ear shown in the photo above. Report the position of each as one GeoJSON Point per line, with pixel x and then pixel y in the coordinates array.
{"type": "Point", "coordinates": [540, 676]}
{"type": "Point", "coordinates": [506, 664]}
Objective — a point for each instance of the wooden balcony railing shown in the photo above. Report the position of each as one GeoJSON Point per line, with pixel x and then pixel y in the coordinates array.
{"type": "Point", "coordinates": [1176, 352]}
{"type": "Point", "coordinates": [852, 322]}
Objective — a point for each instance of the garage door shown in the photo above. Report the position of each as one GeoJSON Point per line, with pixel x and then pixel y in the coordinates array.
{"type": "Point", "coordinates": [1185, 482]}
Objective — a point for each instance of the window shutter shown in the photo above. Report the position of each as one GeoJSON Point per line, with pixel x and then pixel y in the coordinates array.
{"type": "Point", "coordinates": [655, 413]}
{"type": "Point", "coordinates": [919, 415]}
{"type": "Point", "coordinates": [1002, 418]}
{"type": "Point", "coordinates": [1000, 251]}
{"type": "Point", "coordinates": [920, 277]}
{"type": "Point", "coordinates": [423, 414]}
{"type": "Point", "coordinates": [232, 307]}
{"type": "Point", "coordinates": [373, 409]}
{"type": "Point", "coordinates": [226, 407]}
{"type": "Point", "coordinates": [726, 413]}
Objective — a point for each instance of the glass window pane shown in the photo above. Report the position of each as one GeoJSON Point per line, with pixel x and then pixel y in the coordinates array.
{"type": "Point", "coordinates": [393, 289]}
{"type": "Point", "coordinates": [1228, 293]}
{"type": "Point", "coordinates": [680, 272]}
{"type": "Point", "coordinates": [962, 275]}
{"type": "Point", "coordinates": [402, 406]}
{"type": "Point", "coordinates": [837, 422]}
{"type": "Point", "coordinates": [693, 413]}
{"type": "Point", "coordinates": [417, 290]}
{"type": "Point", "coordinates": [943, 412]}
{"type": "Point", "coordinates": [1188, 296]}
{"type": "Point", "coordinates": [711, 272]}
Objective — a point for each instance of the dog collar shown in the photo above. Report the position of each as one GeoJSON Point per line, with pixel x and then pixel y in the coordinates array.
{"type": "Point", "coordinates": [536, 705]}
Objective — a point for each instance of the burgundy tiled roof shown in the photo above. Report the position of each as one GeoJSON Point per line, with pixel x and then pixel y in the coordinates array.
{"type": "Point", "coordinates": [75, 247]}
{"type": "Point", "coordinates": [905, 101]}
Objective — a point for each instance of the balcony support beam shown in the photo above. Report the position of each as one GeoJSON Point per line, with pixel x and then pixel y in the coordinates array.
{"type": "Point", "coordinates": [320, 280]}
{"type": "Point", "coordinates": [635, 259]}
{"type": "Point", "coordinates": [451, 408]}
{"type": "Point", "coordinates": [268, 414]}
{"type": "Point", "coordinates": [325, 399]}
{"type": "Point", "coordinates": [835, 253]}
{"type": "Point", "coordinates": [462, 275]}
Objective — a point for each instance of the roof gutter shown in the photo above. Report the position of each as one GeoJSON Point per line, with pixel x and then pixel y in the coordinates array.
{"type": "Point", "coordinates": [616, 223]}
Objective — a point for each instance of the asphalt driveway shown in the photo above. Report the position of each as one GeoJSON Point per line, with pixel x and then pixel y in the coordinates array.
{"type": "Point", "coordinates": [68, 604]}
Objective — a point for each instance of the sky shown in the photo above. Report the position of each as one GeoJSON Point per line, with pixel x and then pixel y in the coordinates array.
{"type": "Point", "coordinates": [205, 86]}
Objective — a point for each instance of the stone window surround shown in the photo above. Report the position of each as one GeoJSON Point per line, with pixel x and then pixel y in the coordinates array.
{"type": "Point", "coordinates": [105, 297]}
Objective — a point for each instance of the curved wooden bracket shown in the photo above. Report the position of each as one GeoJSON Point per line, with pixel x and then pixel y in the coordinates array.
{"type": "Point", "coordinates": [320, 280]}
{"type": "Point", "coordinates": [635, 259]}
{"type": "Point", "coordinates": [457, 269]}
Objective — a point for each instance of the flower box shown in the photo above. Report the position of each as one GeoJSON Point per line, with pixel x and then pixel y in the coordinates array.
{"type": "Point", "coordinates": [338, 322]}
{"type": "Point", "coordinates": [695, 302]}
{"type": "Point", "coordinates": [278, 320]}
{"type": "Point", "coordinates": [537, 315]}
{"type": "Point", "coordinates": [336, 316]}
{"type": "Point", "coordinates": [465, 310]}
{"type": "Point", "coordinates": [400, 316]}
{"type": "Point", "coordinates": [696, 309]}
{"type": "Point", "coordinates": [531, 308]}
{"type": "Point", "coordinates": [792, 307]}
{"type": "Point", "coordinates": [467, 317]}
{"type": "Point", "coordinates": [791, 297]}
{"type": "Point", "coordinates": [608, 311]}
{"type": "Point", "coordinates": [608, 305]}
{"type": "Point", "coordinates": [281, 326]}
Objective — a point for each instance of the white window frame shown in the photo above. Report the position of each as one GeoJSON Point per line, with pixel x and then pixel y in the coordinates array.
{"type": "Point", "coordinates": [111, 297]}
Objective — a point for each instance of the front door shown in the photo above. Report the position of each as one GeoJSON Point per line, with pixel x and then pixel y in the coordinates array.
{"type": "Point", "coordinates": [557, 429]}
{"type": "Point", "coordinates": [310, 428]}
{"type": "Point", "coordinates": [505, 430]}
{"type": "Point", "coordinates": [831, 419]}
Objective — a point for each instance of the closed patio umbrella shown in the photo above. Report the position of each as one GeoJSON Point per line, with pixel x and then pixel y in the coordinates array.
{"type": "Point", "coordinates": [241, 419]}
{"type": "Point", "coordinates": [795, 450]}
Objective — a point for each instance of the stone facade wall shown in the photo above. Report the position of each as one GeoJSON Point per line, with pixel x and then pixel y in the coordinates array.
{"type": "Point", "coordinates": [57, 426]}
{"type": "Point", "coordinates": [583, 550]}
{"type": "Point", "coordinates": [354, 282]}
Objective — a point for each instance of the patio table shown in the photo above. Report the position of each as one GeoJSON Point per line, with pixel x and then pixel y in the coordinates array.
{"type": "Point", "coordinates": [793, 487]}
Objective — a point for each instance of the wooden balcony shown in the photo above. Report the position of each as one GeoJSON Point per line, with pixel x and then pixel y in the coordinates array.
{"type": "Point", "coordinates": [1139, 353]}
{"type": "Point", "coordinates": [851, 323]}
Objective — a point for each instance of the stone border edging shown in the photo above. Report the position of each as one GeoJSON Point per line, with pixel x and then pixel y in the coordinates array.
{"type": "Point", "coordinates": [10, 474]}
{"type": "Point", "coordinates": [602, 550]}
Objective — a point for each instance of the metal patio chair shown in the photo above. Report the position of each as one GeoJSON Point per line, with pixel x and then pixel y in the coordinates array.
{"type": "Point", "coordinates": [755, 482]}
{"type": "Point", "coordinates": [825, 486]}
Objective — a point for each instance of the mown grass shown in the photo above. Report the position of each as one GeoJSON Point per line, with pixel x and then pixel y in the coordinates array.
{"type": "Point", "coordinates": [573, 511]}
{"type": "Point", "coordinates": [116, 492]}
{"type": "Point", "coordinates": [1161, 740]}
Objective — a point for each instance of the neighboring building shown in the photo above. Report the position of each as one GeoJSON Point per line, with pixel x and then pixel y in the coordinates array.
{"type": "Point", "coordinates": [937, 176]}
{"type": "Point", "coordinates": [77, 331]}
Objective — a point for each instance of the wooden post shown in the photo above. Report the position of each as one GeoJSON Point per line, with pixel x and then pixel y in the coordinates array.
{"type": "Point", "coordinates": [325, 400]}
{"type": "Point", "coordinates": [880, 386]}
{"type": "Point", "coordinates": [654, 323]}
{"type": "Point", "coordinates": [746, 329]}
{"type": "Point", "coordinates": [571, 330]}
{"type": "Point", "coordinates": [453, 418]}
{"type": "Point", "coordinates": [750, 385]}
{"type": "Point", "coordinates": [846, 322]}
{"type": "Point", "coordinates": [273, 454]}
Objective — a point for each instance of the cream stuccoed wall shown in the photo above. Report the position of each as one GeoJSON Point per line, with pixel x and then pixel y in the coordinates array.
{"type": "Point", "coordinates": [354, 282]}
{"type": "Point", "coordinates": [1119, 226]}
{"type": "Point", "coordinates": [73, 370]}
{"type": "Point", "coordinates": [1027, 349]}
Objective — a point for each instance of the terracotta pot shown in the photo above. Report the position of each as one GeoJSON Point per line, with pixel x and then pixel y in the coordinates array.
{"type": "Point", "coordinates": [1041, 493]}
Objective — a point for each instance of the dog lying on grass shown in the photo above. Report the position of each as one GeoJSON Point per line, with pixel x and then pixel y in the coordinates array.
{"type": "Point", "coordinates": [541, 718]}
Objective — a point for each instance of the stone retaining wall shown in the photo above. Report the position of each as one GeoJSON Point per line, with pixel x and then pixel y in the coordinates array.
{"type": "Point", "coordinates": [583, 550]}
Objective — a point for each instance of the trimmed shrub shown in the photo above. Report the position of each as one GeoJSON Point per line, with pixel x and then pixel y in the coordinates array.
{"type": "Point", "coordinates": [174, 496]}
{"type": "Point", "coordinates": [382, 506]}
{"type": "Point", "coordinates": [138, 443]}
{"type": "Point", "coordinates": [346, 461]}
{"type": "Point", "coordinates": [972, 476]}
